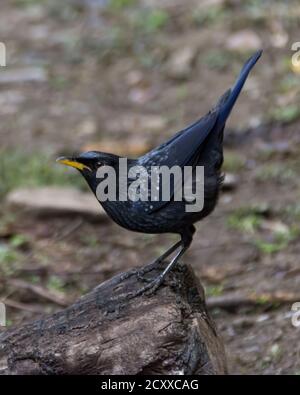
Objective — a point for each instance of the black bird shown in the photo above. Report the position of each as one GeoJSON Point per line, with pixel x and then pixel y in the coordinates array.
{"type": "Point", "coordinates": [200, 144]}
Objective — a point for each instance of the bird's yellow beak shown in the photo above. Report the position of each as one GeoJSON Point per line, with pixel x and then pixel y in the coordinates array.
{"type": "Point", "coordinates": [73, 163]}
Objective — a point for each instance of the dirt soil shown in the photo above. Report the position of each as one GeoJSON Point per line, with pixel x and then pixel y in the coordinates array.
{"type": "Point", "coordinates": [104, 73]}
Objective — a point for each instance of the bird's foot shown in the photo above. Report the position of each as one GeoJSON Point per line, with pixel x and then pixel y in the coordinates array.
{"type": "Point", "coordinates": [148, 289]}
{"type": "Point", "coordinates": [141, 275]}
{"type": "Point", "coordinates": [127, 275]}
{"type": "Point", "coordinates": [145, 270]}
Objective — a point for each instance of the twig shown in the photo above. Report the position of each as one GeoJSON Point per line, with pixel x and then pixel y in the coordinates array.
{"type": "Point", "coordinates": [40, 291]}
{"type": "Point", "coordinates": [234, 300]}
{"type": "Point", "coordinates": [23, 306]}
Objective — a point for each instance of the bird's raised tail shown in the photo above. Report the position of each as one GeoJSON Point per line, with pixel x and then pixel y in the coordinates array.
{"type": "Point", "coordinates": [228, 100]}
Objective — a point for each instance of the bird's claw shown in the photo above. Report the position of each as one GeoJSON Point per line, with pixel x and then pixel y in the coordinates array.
{"type": "Point", "coordinates": [148, 289]}
{"type": "Point", "coordinates": [141, 276]}
{"type": "Point", "coordinates": [142, 272]}
{"type": "Point", "coordinates": [154, 287]}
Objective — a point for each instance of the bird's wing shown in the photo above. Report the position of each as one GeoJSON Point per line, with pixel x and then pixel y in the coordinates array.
{"type": "Point", "coordinates": [180, 151]}
{"type": "Point", "coordinates": [181, 148]}
{"type": "Point", "coordinates": [184, 148]}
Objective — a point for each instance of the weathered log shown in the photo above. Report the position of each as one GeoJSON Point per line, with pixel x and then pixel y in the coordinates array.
{"type": "Point", "coordinates": [107, 332]}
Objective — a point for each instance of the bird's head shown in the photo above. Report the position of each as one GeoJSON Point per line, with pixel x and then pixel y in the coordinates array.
{"type": "Point", "coordinates": [88, 164]}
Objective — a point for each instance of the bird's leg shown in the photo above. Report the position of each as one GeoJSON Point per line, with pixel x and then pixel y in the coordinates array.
{"type": "Point", "coordinates": [159, 280]}
{"type": "Point", "coordinates": [158, 261]}
{"type": "Point", "coordinates": [167, 253]}
{"type": "Point", "coordinates": [186, 239]}
{"type": "Point", "coordinates": [154, 285]}
{"type": "Point", "coordinates": [141, 272]}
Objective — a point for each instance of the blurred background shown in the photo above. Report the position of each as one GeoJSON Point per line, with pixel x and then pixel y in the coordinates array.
{"type": "Point", "coordinates": [121, 76]}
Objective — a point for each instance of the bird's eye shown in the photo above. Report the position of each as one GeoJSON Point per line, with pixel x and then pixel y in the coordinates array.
{"type": "Point", "coordinates": [99, 163]}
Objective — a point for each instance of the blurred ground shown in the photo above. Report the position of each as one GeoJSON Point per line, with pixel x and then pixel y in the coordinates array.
{"type": "Point", "coordinates": [122, 75]}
